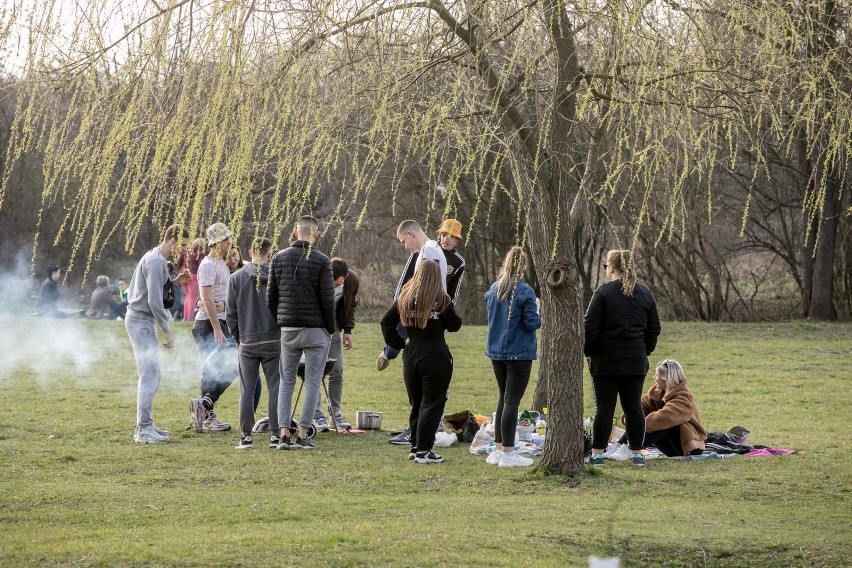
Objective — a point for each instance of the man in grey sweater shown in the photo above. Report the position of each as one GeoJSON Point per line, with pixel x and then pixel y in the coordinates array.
{"type": "Point", "coordinates": [258, 338]}
{"type": "Point", "coordinates": [145, 310]}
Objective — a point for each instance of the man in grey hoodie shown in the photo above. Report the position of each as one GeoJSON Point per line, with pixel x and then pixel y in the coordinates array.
{"type": "Point", "coordinates": [144, 311]}
{"type": "Point", "coordinates": [258, 338]}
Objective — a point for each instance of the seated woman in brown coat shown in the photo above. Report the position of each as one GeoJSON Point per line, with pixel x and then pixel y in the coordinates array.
{"type": "Point", "coordinates": [672, 422]}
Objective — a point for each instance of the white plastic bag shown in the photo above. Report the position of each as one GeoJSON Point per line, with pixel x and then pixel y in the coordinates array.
{"type": "Point", "coordinates": [482, 439]}
{"type": "Point", "coordinates": [445, 439]}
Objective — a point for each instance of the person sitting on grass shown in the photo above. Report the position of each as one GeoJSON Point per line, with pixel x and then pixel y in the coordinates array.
{"type": "Point", "coordinates": [48, 295]}
{"type": "Point", "coordinates": [102, 301]}
{"type": "Point", "coordinates": [672, 422]}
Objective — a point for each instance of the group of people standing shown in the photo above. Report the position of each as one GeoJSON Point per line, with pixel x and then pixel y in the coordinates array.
{"type": "Point", "coordinates": [276, 310]}
{"type": "Point", "coordinates": [296, 308]}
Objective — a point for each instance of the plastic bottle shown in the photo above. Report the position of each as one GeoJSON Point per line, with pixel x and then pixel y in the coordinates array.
{"type": "Point", "coordinates": [541, 423]}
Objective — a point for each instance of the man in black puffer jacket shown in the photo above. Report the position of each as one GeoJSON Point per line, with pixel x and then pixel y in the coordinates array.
{"type": "Point", "coordinates": [300, 294]}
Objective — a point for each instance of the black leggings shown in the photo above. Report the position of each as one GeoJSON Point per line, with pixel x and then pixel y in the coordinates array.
{"type": "Point", "coordinates": [512, 380]}
{"type": "Point", "coordinates": [628, 388]}
{"type": "Point", "coordinates": [427, 367]}
{"type": "Point", "coordinates": [667, 441]}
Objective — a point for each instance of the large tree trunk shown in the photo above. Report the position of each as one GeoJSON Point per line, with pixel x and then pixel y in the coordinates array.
{"type": "Point", "coordinates": [561, 342]}
{"type": "Point", "coordinates": [822, 289]}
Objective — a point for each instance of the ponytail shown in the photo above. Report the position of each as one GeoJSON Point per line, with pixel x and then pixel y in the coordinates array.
{"type": "Point", "coordinates": [622, 261]}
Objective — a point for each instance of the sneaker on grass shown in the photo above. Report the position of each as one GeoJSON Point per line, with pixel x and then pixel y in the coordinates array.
{"type": "Point", "coordinates": [514, 459]}
{"type": "Point", "coordinates": [428, 457]}
{"type": "Point", "coordinates": [213, 424]}
{"type": "Point", "coordinates": [244, 443]}
{"type": "Point", "coordinates": [283, 443]}
{"type": "Point", "coordinates": [638, 460]}
{"type": "Point", "coordinates": [148, 435]}
{"type": "Point", "coordinates": [494, 457]}
{"type": "Point", "coordinates": [621, 453]}
{"type": "Point", "coordinates": [161, 432]}
{"type": "Point", "coordinates": [402, 439]}
{"type": "Point", "coordinates": [595, 459]}
{"type": "Point", "coordinates": [274, 441]}
{"type": "Point", "coordinates": [197, 413]}
{"type": "Point", "coordinates": [412, 454]}
{"type": "Point", "coordinates": [341, 421]}
{"type": "Point", "coordinates": [322, 424]}
{"type": "Point", "coordinates": [302, 444]}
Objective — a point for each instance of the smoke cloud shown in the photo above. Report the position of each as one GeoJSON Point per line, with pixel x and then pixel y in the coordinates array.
{"type": "Point", "coordinates": [86, 352]}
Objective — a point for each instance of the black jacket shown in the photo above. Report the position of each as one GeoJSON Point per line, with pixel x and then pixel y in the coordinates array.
{"type": "Point", "coordinates": [448, 320]}
{"type": "Point", "coordinates": [300, 292]}
{"type": "Point", "coordinates": [621, 331]}
{"type": "Point", "coordinates": [344, 312]}
{"type": "Point", "coordinates": [455, 272]}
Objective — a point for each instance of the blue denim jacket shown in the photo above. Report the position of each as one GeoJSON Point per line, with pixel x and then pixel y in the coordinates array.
{"type": "Point", "coordinates": [512, 336]}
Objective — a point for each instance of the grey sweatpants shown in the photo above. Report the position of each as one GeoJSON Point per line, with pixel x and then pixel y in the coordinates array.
{"type": "Point", "coordinates": [335, 377]}
{"type": "Point", "coordinates": [146, 349]}
{"type": "Point", "coordinates": [313, 342]}
{"type": "Point", "coordinates": [252, 358]}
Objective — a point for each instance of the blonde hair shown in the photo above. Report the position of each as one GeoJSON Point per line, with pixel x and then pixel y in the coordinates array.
{"type": "Point", "coordinates": [622, 261]}
{"type": "Point", "coordinates": [422, 295]}
{"type": "Point", "coordinates": [670, 371]}
{"type": "Point", "coordinates": [513, 269]}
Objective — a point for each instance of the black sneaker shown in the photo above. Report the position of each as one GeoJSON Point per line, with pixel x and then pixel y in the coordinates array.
{"type": "Point", "coordinates": [412, 454]}
{"type": "Point", "coordinates": [244, 443]}
{"type": "Point", "coordinates": [428, 457]}
{"type": "Point", "coordinates": [283, 443]}
{"type": "Point", "coordinates": [403, 439]}
{"type": "Point", "coordinates": [274, 441]}
{"type": "Point", "coordinates": [302, 444]}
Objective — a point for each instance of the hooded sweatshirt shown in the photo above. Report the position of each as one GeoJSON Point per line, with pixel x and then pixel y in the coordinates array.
{"type": "Point", "coordinates": [247, 314]}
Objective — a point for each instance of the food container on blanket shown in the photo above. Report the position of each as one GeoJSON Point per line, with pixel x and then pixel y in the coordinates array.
{"type": "Point", "coordinates": [368, 420]}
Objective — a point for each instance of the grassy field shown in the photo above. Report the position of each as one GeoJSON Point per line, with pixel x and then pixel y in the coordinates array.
{"type": "Point", "coordinates": [75, 490]}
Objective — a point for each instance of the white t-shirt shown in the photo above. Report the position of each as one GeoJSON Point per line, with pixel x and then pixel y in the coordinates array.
{"type": "Point", "coordinates": [214, 273]}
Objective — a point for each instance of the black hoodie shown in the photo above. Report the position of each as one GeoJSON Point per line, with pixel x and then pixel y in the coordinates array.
{"type": "Point", "coordinates": [247, 314]}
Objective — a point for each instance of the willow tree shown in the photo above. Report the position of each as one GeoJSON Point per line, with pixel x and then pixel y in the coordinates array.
{"type": "Point", "coordinates": [194, 110]}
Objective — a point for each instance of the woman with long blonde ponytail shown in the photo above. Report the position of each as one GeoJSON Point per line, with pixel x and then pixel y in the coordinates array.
{"type": "Point", "coordinates": [622, 327]}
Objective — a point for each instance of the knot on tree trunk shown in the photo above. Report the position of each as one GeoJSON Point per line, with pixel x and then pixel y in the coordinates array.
{"type": "Point", "coordinates": [557, 274]}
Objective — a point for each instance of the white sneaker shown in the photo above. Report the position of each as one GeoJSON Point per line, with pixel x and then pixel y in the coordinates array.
{"type": "Point", "coordinates": [148, 435]}
{"type": "Point", "coordinates": [621, 453]}
{"type": "Point", "coordinates": [494, 457]}
{"type": "Point", "coordinates": [514, 460]}
{"type": "Point", "coordinates": [610, 448]}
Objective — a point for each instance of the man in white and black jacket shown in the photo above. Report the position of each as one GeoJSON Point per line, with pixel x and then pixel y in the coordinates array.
{"type": "Point", "coordinates": [300, 294]}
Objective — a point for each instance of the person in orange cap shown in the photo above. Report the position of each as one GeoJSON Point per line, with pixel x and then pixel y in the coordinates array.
{"type": "Point", "coordinates": [449, 235]}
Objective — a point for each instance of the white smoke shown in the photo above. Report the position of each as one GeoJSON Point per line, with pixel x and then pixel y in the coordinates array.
{"type": "Point", "coordinates": [86, 352]}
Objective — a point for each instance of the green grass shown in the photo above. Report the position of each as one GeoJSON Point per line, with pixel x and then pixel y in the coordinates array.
{"type": "Point", "coordinates": [75, 490]}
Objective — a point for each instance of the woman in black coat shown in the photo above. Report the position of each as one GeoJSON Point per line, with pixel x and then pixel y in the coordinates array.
{"type": "Point", "coordinates": [622, 327]}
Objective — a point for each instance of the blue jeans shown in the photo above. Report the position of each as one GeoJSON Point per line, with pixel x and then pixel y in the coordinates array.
{"type": "Point", "coordinates": [390, 352]}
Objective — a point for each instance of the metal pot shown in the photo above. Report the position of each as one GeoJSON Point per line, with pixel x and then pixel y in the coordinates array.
{"type": "Point", "coordinates": [368, 420]}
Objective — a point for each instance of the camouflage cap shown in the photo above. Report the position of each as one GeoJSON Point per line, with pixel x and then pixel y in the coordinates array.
{"type": "Point", "coordinates": [217, 232]}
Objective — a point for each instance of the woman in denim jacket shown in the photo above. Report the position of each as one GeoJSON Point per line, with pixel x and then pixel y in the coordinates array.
{"type": "Point", "coordinates": [512, 321]}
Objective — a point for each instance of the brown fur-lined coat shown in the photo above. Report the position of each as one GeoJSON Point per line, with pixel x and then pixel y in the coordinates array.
{"type": "Point", "coordinates": [665, 409]}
